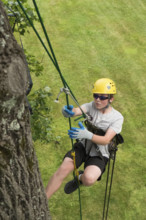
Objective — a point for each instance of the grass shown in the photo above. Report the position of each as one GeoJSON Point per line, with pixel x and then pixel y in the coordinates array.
{"type": "Point", "coordinates": [94, 39]}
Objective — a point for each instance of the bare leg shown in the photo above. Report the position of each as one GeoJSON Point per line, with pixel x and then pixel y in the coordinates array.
{"type": "Point", "coordinates": [90, 175]}
{"type": "Point", "coordinates": [56, 180]}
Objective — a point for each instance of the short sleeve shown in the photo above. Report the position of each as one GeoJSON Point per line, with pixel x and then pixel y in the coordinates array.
{"type": "Point", "coordinates": [87, 106]}
{"type": "Point", "coordinates": [117, 125]}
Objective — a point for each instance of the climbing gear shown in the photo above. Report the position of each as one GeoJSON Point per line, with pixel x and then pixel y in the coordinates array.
{"type": "Point", "coordinates": [118, 139]}
{"type": "Point", "coordinates": [80, 133]}
{"type": "Point", "coordinates": [93, 128]}
{"type": "Point", "coordinates": [76, 172]}
{"type": "Point", "coordinates": [67, 111]}
{"type": "Point", "coordinates": [112, 147]}
{"type": "Point", "coordinates": [101, 97]}
{"type": "Point", "coordinates": [72, 185]}
{"type": "Point", "coordinates": [109, 185]}
{"type": "Point", "coordinates": [67, 92]}
{"type": "Point", "coordinates": [104, 86]}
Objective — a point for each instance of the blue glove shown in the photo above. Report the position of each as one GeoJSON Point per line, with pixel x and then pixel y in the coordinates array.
{"type": "Point", "coordinates": [67, 111]}
{"type": "Point", "coordinates": [80, 133]}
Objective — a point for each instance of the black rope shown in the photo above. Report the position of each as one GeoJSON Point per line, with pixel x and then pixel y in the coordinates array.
{"type": "Point", "coordinates": [107, 199]}
{"type": "Point", "coordinates": [114, 160]}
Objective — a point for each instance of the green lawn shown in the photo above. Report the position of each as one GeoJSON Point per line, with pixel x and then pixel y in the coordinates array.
{"type": "Point", "coordinates": [94, 39]}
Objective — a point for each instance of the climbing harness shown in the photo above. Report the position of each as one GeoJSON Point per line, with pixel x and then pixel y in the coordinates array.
{"type": "Point", "coordinates": [68, 92]}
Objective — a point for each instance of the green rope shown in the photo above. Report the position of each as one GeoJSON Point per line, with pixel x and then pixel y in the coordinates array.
{"type": "Point", "coordinates": [54, 60]}
{"type": "Point", "coordinates": [49, 43]}
{"type": "Point", "coordinates": [53, 54]}
{"type": "Point", "coordinates": [35, 31]}
{"type": "Point", "coordinates": [46, 35]}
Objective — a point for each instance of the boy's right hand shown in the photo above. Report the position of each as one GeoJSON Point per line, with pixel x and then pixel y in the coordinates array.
{"type": "Point", "coordinates": [67, 111]}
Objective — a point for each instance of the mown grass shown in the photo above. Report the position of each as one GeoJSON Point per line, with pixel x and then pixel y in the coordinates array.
{"type": "Point", "coordinates": [94, 39]}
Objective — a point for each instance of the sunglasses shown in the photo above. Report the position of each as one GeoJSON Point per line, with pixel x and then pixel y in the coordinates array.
{"type": "Point", "coordinates": [101, 97]}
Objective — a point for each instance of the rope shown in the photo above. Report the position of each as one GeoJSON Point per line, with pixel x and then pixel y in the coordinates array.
{"type": "Point", "coordinates": [110, 184]}
{"type": "Point", "coordinates": [54, 61]}
{"type": "Point", "coordinates": [53, 54]}
{"type": "Point", "coordinates": [106, 206]}
{"type": "Point", "coordinates": [105, 197]}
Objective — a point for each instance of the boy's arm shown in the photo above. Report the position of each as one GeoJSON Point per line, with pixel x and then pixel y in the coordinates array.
{"type": "Point", "coordinates": [83, 133]}
{"type": "Point", "coordinates": [78, 111]}
{"type": "Point", "coordinates": [103, 140]}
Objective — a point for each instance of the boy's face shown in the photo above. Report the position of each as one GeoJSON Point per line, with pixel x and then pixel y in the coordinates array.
{"type": "Point", "coordinates": [101, 100]}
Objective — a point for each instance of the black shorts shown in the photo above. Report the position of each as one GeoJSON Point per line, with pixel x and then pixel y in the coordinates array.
{"type": "Point", "coordinates": [82, 157]}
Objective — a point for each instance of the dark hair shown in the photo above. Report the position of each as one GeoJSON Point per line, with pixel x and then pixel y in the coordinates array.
{"type": "Point", "coordinates": [111, 96]}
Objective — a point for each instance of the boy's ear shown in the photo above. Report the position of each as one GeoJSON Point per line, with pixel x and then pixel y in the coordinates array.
{"type": "Point", "coordinates": [111, 99]}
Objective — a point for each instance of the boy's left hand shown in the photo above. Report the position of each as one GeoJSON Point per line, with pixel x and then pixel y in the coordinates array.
{"type": "Point", "coordinates": [80, 133]}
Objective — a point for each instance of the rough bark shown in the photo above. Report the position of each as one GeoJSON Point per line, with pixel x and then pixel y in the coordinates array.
{"type": "Point", "coordinates": [21, 190]}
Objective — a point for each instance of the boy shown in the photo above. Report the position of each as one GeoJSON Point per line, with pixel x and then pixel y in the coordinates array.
{"type": "Point", "coordinates": [92, 149]}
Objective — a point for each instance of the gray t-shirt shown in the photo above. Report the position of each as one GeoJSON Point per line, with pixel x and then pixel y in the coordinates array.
{"type": "Point", "coordinates": [113, 120]}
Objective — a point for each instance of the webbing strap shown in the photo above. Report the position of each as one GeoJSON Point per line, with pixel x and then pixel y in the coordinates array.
{"type": "Point", "coordinates": [74, 160]}
{"type": "Point", "coordinates": [54, 61]}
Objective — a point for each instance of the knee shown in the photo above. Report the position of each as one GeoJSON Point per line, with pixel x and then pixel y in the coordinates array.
{"type": "Point", "coordinates": [88, 180]}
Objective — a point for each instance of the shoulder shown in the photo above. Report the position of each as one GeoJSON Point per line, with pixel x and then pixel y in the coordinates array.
{"type": "Point", "coordinates": [89, 105]}
{"type": "Point", "coordinates": [117, 121]}
{"type": "Point", "coordinates": [117, 114]}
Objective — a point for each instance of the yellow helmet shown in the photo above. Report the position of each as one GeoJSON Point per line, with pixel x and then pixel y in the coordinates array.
{"type": "Point", "coordinates": [104, 86]}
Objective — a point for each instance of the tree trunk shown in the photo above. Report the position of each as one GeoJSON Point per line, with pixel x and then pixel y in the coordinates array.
{"type": "Point", "coordinates": [22, 193]}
